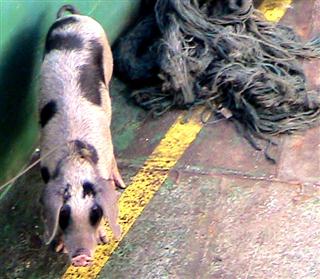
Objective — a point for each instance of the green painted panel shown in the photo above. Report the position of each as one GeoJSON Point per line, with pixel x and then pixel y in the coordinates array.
{"type": "Point", "coordinates": [23, 27]}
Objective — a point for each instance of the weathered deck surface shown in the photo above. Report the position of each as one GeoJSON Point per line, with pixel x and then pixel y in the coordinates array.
{"type": "Point", "coordinates": [223, 212]}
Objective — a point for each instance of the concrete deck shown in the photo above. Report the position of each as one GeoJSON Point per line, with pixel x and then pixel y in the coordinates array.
{"type": "Point", "coordinates": [223, 212]}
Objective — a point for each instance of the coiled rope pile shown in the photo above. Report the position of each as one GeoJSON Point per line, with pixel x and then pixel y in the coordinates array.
{"type": "Point", "coordinates": [222, 54]}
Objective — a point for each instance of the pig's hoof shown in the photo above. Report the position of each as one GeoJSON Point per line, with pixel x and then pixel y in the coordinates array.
{"type": "Point", "coordinates": [118, 179]}
{"type": "Point", "coordinates": [120, 185]}
{"type": "Point", "coordinates": [117, 232]}
{"type": "Point", "coordinates": [81, 260]}
{"type": "Point", "coordinates": [60, 248]}
{"type": "Point", "coordinates": [102, 238]}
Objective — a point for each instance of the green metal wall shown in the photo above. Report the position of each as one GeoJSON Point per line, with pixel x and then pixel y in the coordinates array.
{"type": "Point", "coordinates": [23, 27]}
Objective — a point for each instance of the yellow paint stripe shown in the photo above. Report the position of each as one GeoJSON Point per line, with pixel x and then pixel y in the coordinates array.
{"type": "Point", "coordinates": [143, 187]}
{"type": "Point", "coordinates": [156, 169]}
{"type": "Point", "coordinates": [274, 10]}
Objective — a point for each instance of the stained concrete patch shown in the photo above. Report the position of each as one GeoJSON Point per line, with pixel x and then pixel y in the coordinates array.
{"type": "Point", "coordinates": [168, 239]}
{"type": "Point", "coordinates": [126, 117]}
{"type": "Point", "coordinates": [220, 148]}
{"type": "Point", "coordinates": [208, 227]}
{"type": "Point", "coordinates": [263, 232]}
{"type": "Point", "coordinates": [300, 160]}
{"type": "Point", "coordinates": [297, 19]}
{"type": "Point", "coordinates": [135, 133]}
{"type": "Point", "coordinates": [147, 136]}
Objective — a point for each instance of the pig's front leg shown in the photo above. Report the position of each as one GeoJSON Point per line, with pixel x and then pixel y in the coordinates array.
{"type": "Point", "coordinates": [102, 236]}
{"type": "Point", "coordinates": [59, 246]}
{"type": "Point", "coordinates": [116, 175]}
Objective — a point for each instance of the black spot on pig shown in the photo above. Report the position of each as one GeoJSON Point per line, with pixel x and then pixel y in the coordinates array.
{"type": "Point", "coordinates": [59, 24]}
{"type": "Point", "coordinates": [92, 74]}
{"type": "Point", "coordinates": [79, 145]}
{"type": "Point", "coordinates": [47, 112]}
{"type": "Point", "coordinates": [45, 174]}
{"type": "Point", "coordinates": [64, 217]}
{"type": "Point", "coordinates": [63, 41]}
{"type": "Point", "coordinates": [86, 150]}
{"type": "Point", "coordinates": [95, 215]}
{"type": "Point", "coordinates": [62, 23]}
{"type": "Point", "coordinates": [88, 189]}
{"type": "Point", "coordinates": [93, 154]}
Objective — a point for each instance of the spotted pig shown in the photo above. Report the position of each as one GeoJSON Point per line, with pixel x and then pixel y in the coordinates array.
{"type": "Point", "coordinates": [75, 115]}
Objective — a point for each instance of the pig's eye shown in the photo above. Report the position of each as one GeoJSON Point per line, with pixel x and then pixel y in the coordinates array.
{"type": "Point", "coordinates": [64, 218]}
{"type": "Point", "coordinates": [95, 214]}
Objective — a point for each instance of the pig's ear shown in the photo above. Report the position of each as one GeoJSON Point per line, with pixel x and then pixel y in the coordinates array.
{"type": "Point", "coordinates": [107, 197]}
{"type": "Point", "coordinates": [52, 201]}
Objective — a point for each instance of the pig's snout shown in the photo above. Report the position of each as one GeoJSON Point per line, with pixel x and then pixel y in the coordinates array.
{"type": "Point", "coordinates": [82, 257]}
{"type": "Point", "coordinates": [81, 260]}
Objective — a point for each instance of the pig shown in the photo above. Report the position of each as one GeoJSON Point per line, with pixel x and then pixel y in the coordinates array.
{"type": "Point", "coordinates": [81, 174]}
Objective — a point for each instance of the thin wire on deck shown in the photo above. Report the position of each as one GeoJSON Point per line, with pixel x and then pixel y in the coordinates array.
{"type": "Point", "coordinates": [24, 171]}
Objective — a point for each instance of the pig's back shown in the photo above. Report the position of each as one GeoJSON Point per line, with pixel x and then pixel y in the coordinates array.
{"type": "Point", "coordinates": [74, 98]}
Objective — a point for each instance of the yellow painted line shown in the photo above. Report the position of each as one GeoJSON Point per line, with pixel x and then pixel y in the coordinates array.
{"type": "Point", "coordinates": [143, 187]}
{"type": "Point", "coordinates": [149, 179]}
{"type": "Point", "coordinates": [274, 10]}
